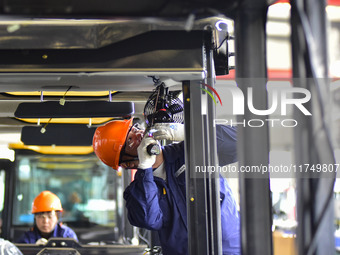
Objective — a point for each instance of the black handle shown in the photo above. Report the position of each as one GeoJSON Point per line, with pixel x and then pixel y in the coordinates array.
{"type": "Point", "coordinates": [153, 149]}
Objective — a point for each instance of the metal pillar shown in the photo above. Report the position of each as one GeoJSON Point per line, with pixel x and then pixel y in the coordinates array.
{"type": "Point", "coordinates": [195, 186]}
{"type": "Point", "coordinates": [253, 143]}
{"type": "Point", "coordinates": [315, 233]}
{"type": "Point", "coordinates": [203, 208]}
{"type": "Point", "coordinates": [213, 178]}
{"type": "Point", "coordinates": [128, 231]}
{"type": "Point", "coordinates": [7, 212]}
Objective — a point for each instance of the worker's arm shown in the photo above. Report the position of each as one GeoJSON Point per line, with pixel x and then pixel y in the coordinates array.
{"type": "Point", "coordinates": [141, 195]}
{"type": "Point", "coordinates": [230, 220]}
{"type": "Point", "coordinates": [142, 201]}
{"type": "Point", "coordinates": [168, 131]}
{"type": "Point", "coordinates": [225, 137]}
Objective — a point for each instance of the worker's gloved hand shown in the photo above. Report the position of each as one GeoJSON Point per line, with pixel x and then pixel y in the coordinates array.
{"type": "Point", "coordinates": [41, 241]}
{"type": "Point", "coordinates": [168, 131]}
{"type": "Point", "coordinates": [145, 160]}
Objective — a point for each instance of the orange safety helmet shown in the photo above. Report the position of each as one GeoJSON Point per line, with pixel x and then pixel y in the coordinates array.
{"type": "Point", "coordinates": [46, 201]}
{"type": "Point", "coordinates": [109, 139]}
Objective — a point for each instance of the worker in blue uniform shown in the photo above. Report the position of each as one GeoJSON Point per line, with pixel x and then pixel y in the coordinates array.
{"type": "Point", "coordinates": [47, 210]}
{"type": "Point", "coordinates": [156, 199]}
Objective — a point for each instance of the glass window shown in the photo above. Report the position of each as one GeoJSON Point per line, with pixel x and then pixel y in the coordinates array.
{"type": "Point", "coordinates": [2, 194]}
{"type": "Point", "coordinates": [86, 187]}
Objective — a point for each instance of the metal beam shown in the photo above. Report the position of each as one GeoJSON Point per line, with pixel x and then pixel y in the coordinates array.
{"type": "Point", "coordinates": [196, 189]}
{"type": "Point", "coordinates": [203, 208]}
{"type": "Point", "coordinates": [315, 232]}
{"type": "Point", "coordinates": [213, 184]}
{"type": "Point", "coordinates": [253, 143]}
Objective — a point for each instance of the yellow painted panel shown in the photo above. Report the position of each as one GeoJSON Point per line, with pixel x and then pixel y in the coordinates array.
{"type": "Point", "coordinates": [94, 121]}
{"type": "Point", "coordinates": [73, 150]}
{"type": "Point", "coordinates": [72, 159]}
{"type": "Point", "coordinates": [62, 93]}
{"type": "Point", "coordinates": [61, 166]}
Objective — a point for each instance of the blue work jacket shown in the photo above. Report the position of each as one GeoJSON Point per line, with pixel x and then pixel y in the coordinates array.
{"type": "Point", "coordinates": [59, 231]}
{"type": "Point", "coordinates": [157, 204]}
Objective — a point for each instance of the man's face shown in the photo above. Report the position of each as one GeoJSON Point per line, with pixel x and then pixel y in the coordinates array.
{"type": "Point", "coordinates": [129, 152]}
{"type": "Point", "coordinates": [46, 221]}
